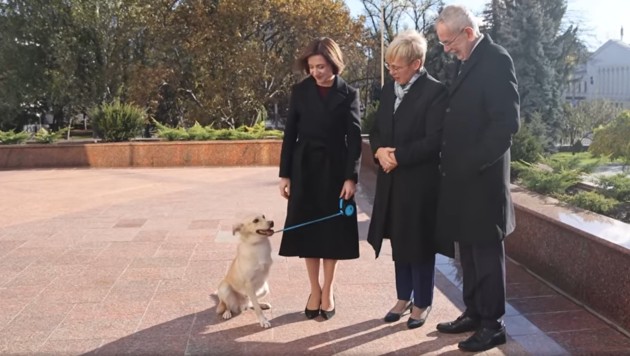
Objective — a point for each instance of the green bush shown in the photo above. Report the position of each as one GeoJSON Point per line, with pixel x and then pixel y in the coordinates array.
{"type": "Point", "coordinates": [198, 132]}
{"type": "Point", "coordinates": [116, 122]}
{"type": "Point", "coordinates": [12, 138]}
{"type": "Point", "coordinates": [45, 136]}
{"type": "Point", "coordinates": [548, 182]}
{"type": "Point", "coordinates": [526, 146]}
{"type": "Point", "coordinates": [592, 201]}
{"type": "Point", "coordinates": [616, 187]}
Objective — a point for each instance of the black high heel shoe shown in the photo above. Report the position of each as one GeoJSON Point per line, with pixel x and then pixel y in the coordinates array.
{"type": "Point", "coordinates": [392, 317]}
{"type": "Point", "coordinates": [328, 314]}
{"type": "Point", "coordinates": [310, 313]}
{"type": "Point", "coordinates": [416, 323]}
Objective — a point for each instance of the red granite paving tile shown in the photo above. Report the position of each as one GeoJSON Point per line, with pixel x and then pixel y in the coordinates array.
{"type": "Point", "coordinates": [114, 235]}
{"type": "Point", "coordinates": [203, 224]}
{"type": "Point", "coordinates": [216, 345]}
{"type": "Point", "coordinates": [574, 320]}
{"type": "Point", "coordinates": [10, 346]}
{"type": "Point", "coordinates": [110, 261]}
{"type": "Point", "coordinates": [188, 236]}
{"type": "Point", "coordinates": [99, 321]}
{"type": "Point", "coordinates": [206, 270]}
{"type": "Point", "coordinates": [593, 342]}
{"type": "Point", "coordinates": [125, 291]}
{"type": "Point", "coordinates": [77, 257]}
{"type": "Point", "coordinates": [9, 310]}
{"type": "Point", "coordinates": [9, 273]}
{"type": "Point", "coordinates": [8, 246]}
{"type": "Point", "coordinates": [144, 343]}
{"type": "Point", "coordinates": [151, 235]}
{"type": "Point", "coordinates": [69, 347]}
{"type": "Point", "coordinates": [544, 304]}
{"type": "Point", "coordinates": [26, 254]}
{"type": "Point", "coordinates": [35, 322]}
{"type": "Point", "coordinates": [529, 289]}
{"type": "Point", "coordinates": [166, 223]}
{"type": "Point", "coordinates": [130, 249]}
{"type": "Point", "coordinates": [182, 253]}
{"type": "Point", "coordinates": [518, 325]}
{"type": "Point", "coordinates": [155, 273]}
{"type": "Point", "coordinates": [152, 262]}
{"type": "Point", "coordinates": [43, 275]}
{"type": "Point", "coordinates": [167, 323]}
{"type": "Point", "coordinates": [130, 223]}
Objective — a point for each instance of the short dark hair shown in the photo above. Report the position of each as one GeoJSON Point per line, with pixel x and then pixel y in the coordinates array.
{"type": "Point", "coordinates": [325, 47]}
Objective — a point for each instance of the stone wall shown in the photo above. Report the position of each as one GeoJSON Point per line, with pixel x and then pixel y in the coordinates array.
{"type": "Point", "coordinates": [142, 154]}
{"type": "Point", "coordinates": [585, 255]}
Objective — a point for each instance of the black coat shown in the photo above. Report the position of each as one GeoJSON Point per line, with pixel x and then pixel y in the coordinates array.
{"type": "Point", "coordinates": [321, 149]}
{"type": "Point", "coordinates": [406, 198]}
{"type": "Point", "coordinates": [474, 203]}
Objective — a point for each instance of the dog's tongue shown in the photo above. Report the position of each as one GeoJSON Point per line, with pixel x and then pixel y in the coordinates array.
{"type": "Point", "coordinates": [267, 232]}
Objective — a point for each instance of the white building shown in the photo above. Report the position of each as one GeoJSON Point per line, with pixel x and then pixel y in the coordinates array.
{"type": "Point", "coordinates": [606, 76]}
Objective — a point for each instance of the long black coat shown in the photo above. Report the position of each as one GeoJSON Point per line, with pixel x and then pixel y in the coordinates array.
{"type": "Point", "coordinates": [405, 200]}
{"type": "Point", "coordinates": [321, 149]}
{"type": "Point", "coordinates": [475, 205]}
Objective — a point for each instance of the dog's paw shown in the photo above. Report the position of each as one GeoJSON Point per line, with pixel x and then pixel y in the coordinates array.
{"type": "Point", "coordinates": [227, 314]}
{"type": "Point", "coordinates": [264, 322]}
{"type": "Point", "coordinates": [265, 306]}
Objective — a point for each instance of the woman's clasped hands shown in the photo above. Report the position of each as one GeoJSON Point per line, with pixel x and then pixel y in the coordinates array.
{"type": "Point", "coordinates": [386, 158]}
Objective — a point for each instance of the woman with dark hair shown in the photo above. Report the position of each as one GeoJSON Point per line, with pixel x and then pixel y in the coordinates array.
{"type": "Point", "coordinates": [319, 164]}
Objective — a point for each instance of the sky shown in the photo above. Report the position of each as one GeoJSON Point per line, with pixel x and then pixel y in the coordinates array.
{"type": "Point", "coordinates": [598, 20]}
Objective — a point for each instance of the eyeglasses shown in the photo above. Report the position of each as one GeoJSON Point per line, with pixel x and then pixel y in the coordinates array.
{"type": "Point", "coordinates": [450, 42]}
{"type": "Point", "coordinates": [395, 68]}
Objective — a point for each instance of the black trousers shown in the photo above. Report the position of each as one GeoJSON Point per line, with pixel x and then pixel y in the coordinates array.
{"type": "Point", "coordinates": [483, 267]}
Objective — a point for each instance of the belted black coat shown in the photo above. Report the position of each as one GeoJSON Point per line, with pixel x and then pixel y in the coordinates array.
{"type": "Point", "coordinates": [321, 149]}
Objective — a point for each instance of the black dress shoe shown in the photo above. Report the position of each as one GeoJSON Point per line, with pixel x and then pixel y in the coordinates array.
{"type": "Point", "coordinates": [392, 317]}
{"type": "Point", "coordinates": [484, 339]}
{"type": "Point", "coordinates": [328, 314]}
{"type": "Point", "coordinates": [310, 313]}
{"type": "Point", "coordinates": [416, 323]}
{"type": "Point", "coordinates": [460, 325]}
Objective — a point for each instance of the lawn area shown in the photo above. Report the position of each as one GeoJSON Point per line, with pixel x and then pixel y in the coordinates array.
{"type": "Point", "coordinates": [581, 159]}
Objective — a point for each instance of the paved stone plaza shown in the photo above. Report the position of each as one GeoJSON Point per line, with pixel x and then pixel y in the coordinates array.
{"type": "Point", "coordinates": [124, 261]}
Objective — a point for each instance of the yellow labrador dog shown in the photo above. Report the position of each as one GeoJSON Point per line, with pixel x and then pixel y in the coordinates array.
{"type": "Point", "coordinates": [246, 280]}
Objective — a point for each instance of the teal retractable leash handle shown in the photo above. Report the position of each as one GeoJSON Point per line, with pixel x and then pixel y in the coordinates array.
{"type": "Point", "coordinates": [346, 208]}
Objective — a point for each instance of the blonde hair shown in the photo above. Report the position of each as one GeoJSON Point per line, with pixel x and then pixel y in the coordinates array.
{"type": "Point", "coordinates": [408, 45]}
{"type": "Point", "coordinates": [325, 47]}
{"type": "Point", "coordinates": [456, 18]}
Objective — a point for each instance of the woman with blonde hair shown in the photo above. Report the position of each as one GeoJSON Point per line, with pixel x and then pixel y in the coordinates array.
{"type": "Point", "coordinates": [405, 140]}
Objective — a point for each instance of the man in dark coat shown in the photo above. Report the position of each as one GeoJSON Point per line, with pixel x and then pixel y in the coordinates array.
{"type": "Point", "coordinates": [474, 207]}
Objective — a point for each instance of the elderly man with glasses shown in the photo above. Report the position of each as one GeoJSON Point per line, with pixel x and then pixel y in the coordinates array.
{"type": "Point", "coordinates": [474, 205]}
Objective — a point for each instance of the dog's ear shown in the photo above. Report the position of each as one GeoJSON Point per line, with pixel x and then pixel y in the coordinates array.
{"type": "Point", "coordinates": [236, 228]}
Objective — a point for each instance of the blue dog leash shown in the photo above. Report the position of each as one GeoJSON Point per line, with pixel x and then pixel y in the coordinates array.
{"type": "Point", "coordinates": [346, 208]}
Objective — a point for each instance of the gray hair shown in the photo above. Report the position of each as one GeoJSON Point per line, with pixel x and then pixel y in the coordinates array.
{"type": "Point", "coordinates": [408, 45]}
{"type": "Point", "coordinates": [457, 18]}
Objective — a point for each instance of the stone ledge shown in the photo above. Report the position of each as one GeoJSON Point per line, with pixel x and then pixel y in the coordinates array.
{"type": "Point", "coordinates": [142, 154]}
{"type": "Point", "coordinates": [585, 255]}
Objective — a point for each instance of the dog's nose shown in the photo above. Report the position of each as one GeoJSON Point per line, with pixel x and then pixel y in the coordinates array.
{"type": "Point", "coordinates": [271, 223]}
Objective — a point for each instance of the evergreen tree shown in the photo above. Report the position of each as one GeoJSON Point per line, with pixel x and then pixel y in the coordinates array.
{"type": "Point", "coordinates": [544, 51]}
